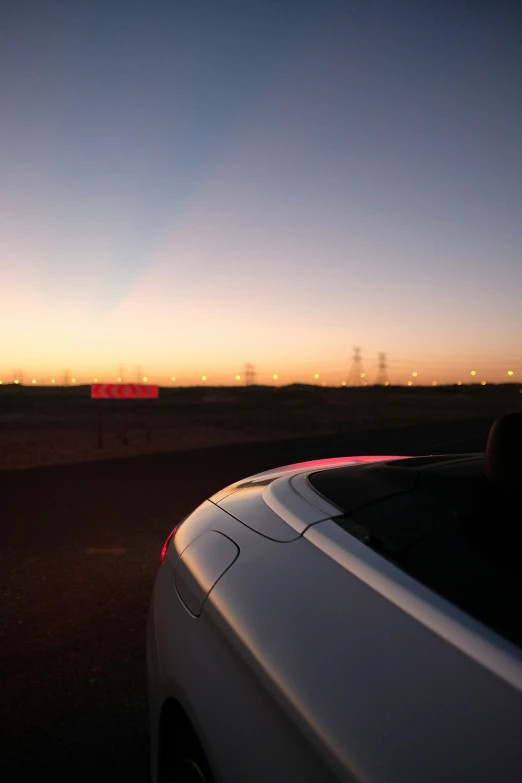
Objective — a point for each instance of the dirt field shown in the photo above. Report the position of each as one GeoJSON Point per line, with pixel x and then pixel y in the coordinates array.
{"type": "Point", "coordinates": [49, 426]}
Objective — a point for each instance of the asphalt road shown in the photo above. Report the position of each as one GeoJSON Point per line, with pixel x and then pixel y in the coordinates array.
{"type": "Point", "coordinates": [79, 548]}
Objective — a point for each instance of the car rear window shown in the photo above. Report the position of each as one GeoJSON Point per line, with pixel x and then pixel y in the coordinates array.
{"type": "Point", "coordinates": [440, 521]}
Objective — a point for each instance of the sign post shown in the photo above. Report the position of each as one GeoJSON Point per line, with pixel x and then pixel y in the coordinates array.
{"type": "Point", "coordinates": [125, 426]}
{"type": "Point", "coordinates": [120, 391]}
{"type": "Point", "coordinates": [100, 424]}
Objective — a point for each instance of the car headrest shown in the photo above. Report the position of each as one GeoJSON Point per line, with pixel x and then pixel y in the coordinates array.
{"type": "Point", "coordinates": [503, 458]}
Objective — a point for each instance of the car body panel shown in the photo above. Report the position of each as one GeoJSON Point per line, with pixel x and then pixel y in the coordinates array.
{"type": "Point", "coordinates": [278, 509]}
{"type": "Point", "coordinates": [194, 662]}
{"type": "Point", "coordinates": [199, 567]}
{"type": "Point", "coordinates": [314, 659]}
{"type": "Point", "coordinates": [389, 670]}
{"type": "Point", "coordinates": [264, 500]}
{"type": "Point", "coordinates": [295, 468]}
{"type": "Point", "coordinates": [458, 628]}
{"type": "Point", "coordinates": [249, 506]}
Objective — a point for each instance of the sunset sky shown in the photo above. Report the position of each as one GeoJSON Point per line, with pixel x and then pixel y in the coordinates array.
{"type": "Point", "coordinates": [190, 185]}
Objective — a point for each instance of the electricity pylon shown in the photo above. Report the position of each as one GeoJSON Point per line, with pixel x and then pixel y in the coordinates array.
{"type": "Point", "coordinates": [357, 376]}
{"type": "Point", "coordinates": [382, 373]}
{"type": "Point", "coordinates": [250, 374]}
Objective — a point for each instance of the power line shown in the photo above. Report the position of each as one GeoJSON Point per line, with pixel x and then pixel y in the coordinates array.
{"type": "Point", "coordinates": [399, 361]}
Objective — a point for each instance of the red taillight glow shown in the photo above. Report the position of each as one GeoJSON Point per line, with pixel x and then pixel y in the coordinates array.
{"type": "Point", "coordinates": [165, 546]}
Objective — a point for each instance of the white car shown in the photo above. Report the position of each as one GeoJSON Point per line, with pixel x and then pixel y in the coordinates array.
{"type": "Point", "coordinates": [351, 619]}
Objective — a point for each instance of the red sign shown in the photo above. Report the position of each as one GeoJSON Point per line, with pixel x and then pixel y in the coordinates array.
{"type": "Point", "coordinates": [123, 391]}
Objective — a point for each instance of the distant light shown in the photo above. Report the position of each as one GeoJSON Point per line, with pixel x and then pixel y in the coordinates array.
{"type": "Point", "coordinates": [510, 372]}
{"type": "Point", "coordinates": [203, 377]}
{"type": "Point", "coordinates": [473, 372]}
{"type": "Point", "coordinates": [414, 374]}
{"type": "Point", "coordinates": [316, 375]}
{"type": "Point", "coordinates": [1, 382]}
{"type": "Point", "coordinates": [73, 380]}
{"type": "Point", "coordinates": [145, 378]}
{"type": "Point", "coordinates": [363, 375]}
{"type": "Point", "coordinates": [119, 380]}
{"type": "Point", "coordinates": [238, 377]}
{"type": "Point", "coordinates": [275, 377]}
{"type": "Point", "coordinates": [17, 381]}
{"type": "Point", "coordinates": [386, 383]}
{"type": "Point", "coordinates": [343, 383]}
{"type": "Point", "coordinates": [459, 383]}
{"type": "Point", "coordinates": [173, 378]}
{"type": "Point", "coordinates": [434, 383]}
{"type": "Point", "coordinates": [483, 383]}
{"type": "Point", "coordinates": [52, 380]}
{"type": "Point", "coordinates": [34, 380]}
{"type": "Point", "coordinates": [95, 380]}
{"type": "Point", "coordinates": [410, 383]}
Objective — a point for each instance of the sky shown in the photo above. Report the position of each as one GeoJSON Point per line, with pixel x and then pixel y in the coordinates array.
{"type": "Point", "coordinates": [191, 185]}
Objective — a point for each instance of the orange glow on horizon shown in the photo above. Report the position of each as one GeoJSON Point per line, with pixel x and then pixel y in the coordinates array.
{"type": "Point", "coordinates": [331, 379]}
{"type": "Point", "coordinates": [218, 375]}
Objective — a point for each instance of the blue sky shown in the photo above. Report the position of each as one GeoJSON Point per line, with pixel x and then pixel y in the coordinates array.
{"type": "Point", "coordinates": [191, 185]}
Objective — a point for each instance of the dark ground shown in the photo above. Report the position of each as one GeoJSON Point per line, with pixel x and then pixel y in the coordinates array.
{"type": "Point", "coordinates": [42, 426]}
{"type": "Point", "coordinates": [72, 622]}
